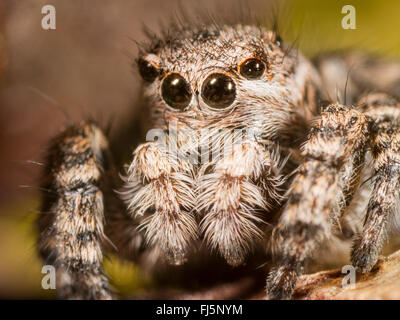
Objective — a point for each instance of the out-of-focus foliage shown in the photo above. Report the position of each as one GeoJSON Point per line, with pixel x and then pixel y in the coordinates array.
{"type": "Point", "coordinates": [20, 268]}
{"type": "Point", "coordinates": [316, 26]}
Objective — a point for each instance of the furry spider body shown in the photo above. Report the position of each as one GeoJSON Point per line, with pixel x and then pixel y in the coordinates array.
{"type": "Point", "coordinates": [287, 162]}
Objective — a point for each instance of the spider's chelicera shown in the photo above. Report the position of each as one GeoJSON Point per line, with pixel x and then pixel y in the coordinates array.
{"type": "Point", "coordinates": [288, 161]}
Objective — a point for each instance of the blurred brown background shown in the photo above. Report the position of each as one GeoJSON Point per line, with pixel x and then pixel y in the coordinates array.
{"type": "Point", "coordinates": [83, 68]}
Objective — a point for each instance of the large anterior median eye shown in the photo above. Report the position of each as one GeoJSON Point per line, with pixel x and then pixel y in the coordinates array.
{"type": "Point", "coordinates": [218, 91]}
{"type": "Point", "coordinates": [252, 69]}
{"type": "Point", "coordinates": [176, 91]}
{"type": "Point", "coordinates": [147, 71]}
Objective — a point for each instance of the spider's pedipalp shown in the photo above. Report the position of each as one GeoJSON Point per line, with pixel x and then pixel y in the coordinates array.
{"type": "Point", "coordinates": [71, 236]}
{"type": "Point", "coordinates": [158, 190]}
{"type": "Point", "coordinates": [240, 184]}
{"type": "Point", "coordinates": [385, 149]}
{"type": "Point", "coordinates": [317, 193]}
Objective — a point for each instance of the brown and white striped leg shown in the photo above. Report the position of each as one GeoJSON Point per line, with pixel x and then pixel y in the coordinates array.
{"type": "Point", "coordinates": [71, 225]}
{"type": "Point", "coordinates": [231, 194]}
{"type": "Point", "coordinates": [385, 149]}
{"type": "Point", "coordinates": [159, 191]}
{"type": "Point", "coordinates": [317, 193]}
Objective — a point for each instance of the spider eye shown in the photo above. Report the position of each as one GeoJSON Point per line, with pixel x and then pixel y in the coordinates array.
{"type": "Point", "coordinates": [218, 91]}
{"type": "Point", "coordinates": [176, 91]}
{"type": "Point", "coordinates": [147, 71]}
{"type": "Point", "coordinates": [252, 69]}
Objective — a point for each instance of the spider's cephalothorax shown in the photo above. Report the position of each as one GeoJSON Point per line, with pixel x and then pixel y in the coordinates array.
{"type": "Point", "coordinates": [216, 86]}
{"type": "Point", "coordinates": [229, 109]}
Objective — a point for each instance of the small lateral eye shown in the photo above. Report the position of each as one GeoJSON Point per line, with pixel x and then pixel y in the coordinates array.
{"type": "Point", "coordinates": [252, 68]}
{"type": "Point", "coordinates": [147, 71]}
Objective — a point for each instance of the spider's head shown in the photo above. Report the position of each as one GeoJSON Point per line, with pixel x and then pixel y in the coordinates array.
{"type": "Point", "coordinates": [233, 76]}
{"type": "Point", "coordinates": [215, 81]}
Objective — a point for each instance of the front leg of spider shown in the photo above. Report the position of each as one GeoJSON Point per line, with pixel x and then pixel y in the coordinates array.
{"type": "Point", "coordinates": [385, 149]}
{"type": "Point", "coordinates": [71, 225]}
{"type": "Point", "coordinates": [316, 194]}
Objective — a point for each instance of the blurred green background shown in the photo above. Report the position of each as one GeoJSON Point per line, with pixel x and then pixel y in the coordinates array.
{"type": "Point", "coordinates": [83, 63]}
{"type": "Point", "coordinates": [318, 25]}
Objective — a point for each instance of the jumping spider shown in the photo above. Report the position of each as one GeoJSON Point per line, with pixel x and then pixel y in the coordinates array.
{"type": "Point", "coordinates": [297, 168]}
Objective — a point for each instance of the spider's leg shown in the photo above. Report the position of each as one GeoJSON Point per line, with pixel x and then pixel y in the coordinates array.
{"type": "Point", "coordinates": [230, 194]}
{"type": "Point", "coordinates": [159, 193]}
{"type": "Point", "coordinates": [385, 149]}
{"type": "Point", "coordinates": [71, 225]}
{"type": "Point", "coordinates": [319, 190]}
